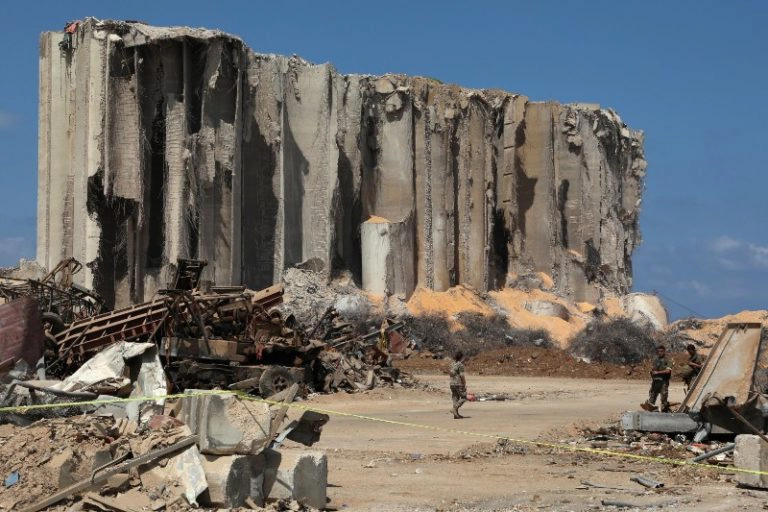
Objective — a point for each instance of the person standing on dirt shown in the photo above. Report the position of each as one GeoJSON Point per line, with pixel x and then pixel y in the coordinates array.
{"type": "Point", "coordinates": [661, 371]}
{"type": "Point", "coordinates": [458, 384]}
{"type": "Point", "coordinates": [695, 362]}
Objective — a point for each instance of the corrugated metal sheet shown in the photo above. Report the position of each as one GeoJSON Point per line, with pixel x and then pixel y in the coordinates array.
{"type": "Point", "coordinates": [21, 331]}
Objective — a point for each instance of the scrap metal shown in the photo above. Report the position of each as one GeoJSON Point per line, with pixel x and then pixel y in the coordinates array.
{"type": "Point", "coordinates": [727, 396]}
{"type": "Point", "coordinates": [56, 293]}
{"type": "Point", "coordinates": [21, 333]}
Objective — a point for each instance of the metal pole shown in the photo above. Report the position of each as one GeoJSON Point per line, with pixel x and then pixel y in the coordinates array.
{"type": "Point", "coordinates": [726, 448]}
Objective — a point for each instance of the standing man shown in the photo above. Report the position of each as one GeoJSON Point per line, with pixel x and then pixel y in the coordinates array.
{"type": "Point", "coordinates": [661, 371]}
{"type": "Point", "coordinates": [458, 384]}
{"type": "Point", "coordinates": [695, 363]}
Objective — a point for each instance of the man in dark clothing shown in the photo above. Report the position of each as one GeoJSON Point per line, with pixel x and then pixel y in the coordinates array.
{"type": "Point", "coordinates": [661, 371]}
{"type": "Point", "coordinates": [695, 363]}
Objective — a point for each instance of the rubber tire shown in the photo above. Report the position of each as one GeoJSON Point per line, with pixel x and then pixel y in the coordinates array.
{"type": "Point", "coordinates": [57, 324]}
{"type": "Point", "coordinates": [274, 380]}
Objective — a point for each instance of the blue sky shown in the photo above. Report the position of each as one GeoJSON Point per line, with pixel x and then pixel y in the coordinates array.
{"type": "Point", "coordinates": [691, 74]}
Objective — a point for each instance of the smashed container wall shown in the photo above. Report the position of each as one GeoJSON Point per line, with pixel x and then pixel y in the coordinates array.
{"type": "Point", "coordinates": [166, 143]}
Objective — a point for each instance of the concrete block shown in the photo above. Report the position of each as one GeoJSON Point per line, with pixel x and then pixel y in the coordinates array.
{"type": "Point", "coordinates": [548, 308]}
{"type": "Point", "coordinates": [182, 474]}
{"type": "Point", "coordinates": [302, 476]}
{"type": "Point", "coordinates": [227, 425]}
{"type": "Point", "coordinates": [751, 453]}
{"type": "Point", "coordinates": [233, 478]}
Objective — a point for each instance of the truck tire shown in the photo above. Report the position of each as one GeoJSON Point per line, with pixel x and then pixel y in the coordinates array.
{"type": "Point", "coordinates": [57, 324]}
{"type": "Point", "coordinates": [274, 380]}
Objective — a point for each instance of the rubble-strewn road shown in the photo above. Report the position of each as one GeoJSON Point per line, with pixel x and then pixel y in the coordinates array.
{"type": "Point", "coordinates": [379, 466]}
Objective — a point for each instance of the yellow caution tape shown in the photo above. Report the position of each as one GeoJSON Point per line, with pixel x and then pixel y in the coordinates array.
{"type": "Point", "coordinates": [497, 437]}
{"type": "Point", "coordinates": [22, 409]}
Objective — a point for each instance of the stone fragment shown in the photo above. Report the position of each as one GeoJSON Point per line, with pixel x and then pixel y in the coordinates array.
{"type": "Point", "coordinates": [645, 310]}
{"type": "Point", "coordinates": [394, 103]}
{"type": "Point", "coordinates": [548, 308]}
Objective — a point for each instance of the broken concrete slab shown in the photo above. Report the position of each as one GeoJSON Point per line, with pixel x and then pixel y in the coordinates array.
{"type": "Point", "coordinates": [548, 308]}
{"type": "Point", "coordinates": [232, 479]}
{"type": "Point", "coordinates": [150, 382]}
{"type": "Point", "coordinates": [751, 453]}
{"type": "Point", "coordinates": [226, 424]}
{"type": "Point", "coordinates": [301, 476]}
{"type": "Point", "coordinates": [646, 310]}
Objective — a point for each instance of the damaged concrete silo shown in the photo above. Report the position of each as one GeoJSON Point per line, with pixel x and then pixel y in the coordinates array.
{"type": "Point", "coordinates": [166, 143]}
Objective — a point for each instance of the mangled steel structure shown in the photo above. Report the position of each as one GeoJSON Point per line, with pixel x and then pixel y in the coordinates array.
{"type": "Point", "coordinates": [225, 337]}
{"type": "Point", "coordinates": [59, 299]}
{"type": "Point", "coordinates": [200, 335]}
{"type": "Point", "coordinates": [728, 394]}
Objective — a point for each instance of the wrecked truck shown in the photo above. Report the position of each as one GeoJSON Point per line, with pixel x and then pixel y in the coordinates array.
{"type": "Point", "coordinates": [228, 337]}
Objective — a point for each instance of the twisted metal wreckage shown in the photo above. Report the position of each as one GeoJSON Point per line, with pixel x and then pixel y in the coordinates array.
{"type": "Point", "coordinates": [727, 396]}
{"type": "Point", "coordinates": [223, 337]}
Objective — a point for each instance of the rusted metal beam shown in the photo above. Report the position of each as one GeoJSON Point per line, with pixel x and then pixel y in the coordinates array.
{"type": "Point", "coordinates": [120, 468]}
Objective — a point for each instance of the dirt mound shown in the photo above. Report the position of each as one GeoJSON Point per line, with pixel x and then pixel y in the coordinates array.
{"type": "Point", "coordinates": [459, 299]}
{"type": "Point", "coordinates": [521, 307]}
{"type": "Point", "coordinates": [705, 333]}
{"type": "Point", "coordinates": [517, 305]}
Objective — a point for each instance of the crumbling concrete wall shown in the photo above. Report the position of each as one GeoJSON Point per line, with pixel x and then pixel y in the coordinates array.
{"type": "Point", "coordinates": [160, 143]}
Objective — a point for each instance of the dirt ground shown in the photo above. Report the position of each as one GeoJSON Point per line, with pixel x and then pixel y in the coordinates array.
{"type": "Point", "coordinates": [449, 465]}
{"type": "Point", "coordinates": [536, 362]}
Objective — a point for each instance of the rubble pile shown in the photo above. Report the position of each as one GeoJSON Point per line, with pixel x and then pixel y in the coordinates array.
{"type": "Point", "coordinates": [654, 444]}
{"type": "Point", "coordinates": [127, 444]}
{"type": "Point", "coordinates": [186, 338]}
{"type": "Point", "coordinates": [204, 450]}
